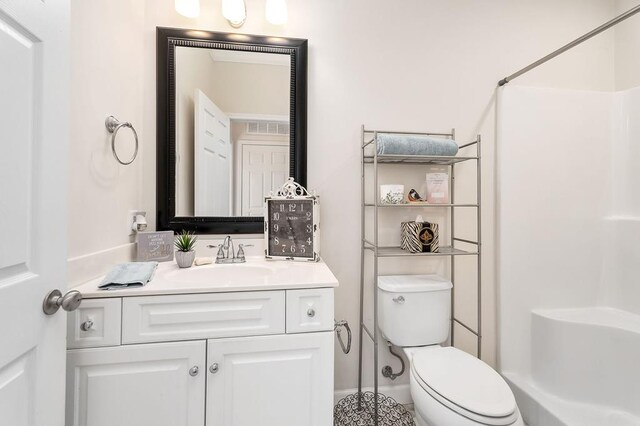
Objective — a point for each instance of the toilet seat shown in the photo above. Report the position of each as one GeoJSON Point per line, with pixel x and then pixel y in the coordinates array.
{"type": "Point", "coordinates": [464, 384]}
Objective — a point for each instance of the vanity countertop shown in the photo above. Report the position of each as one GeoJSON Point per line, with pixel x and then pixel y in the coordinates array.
{"type": "Point", "coordinates": [255, 275]}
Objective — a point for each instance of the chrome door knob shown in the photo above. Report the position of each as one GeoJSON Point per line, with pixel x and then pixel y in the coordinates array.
{"type": "Point", "coordinates": [193, 371]}
{"type": "Point", "coordinates": [214, 368]}
{"type": "Point", "coordinates": [311, 312]}
{"type": "Point", "coordinates": [54, 300]}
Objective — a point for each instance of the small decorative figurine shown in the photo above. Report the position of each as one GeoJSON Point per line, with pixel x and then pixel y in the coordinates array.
{"type": "Point", "coordinates": [414, 197]}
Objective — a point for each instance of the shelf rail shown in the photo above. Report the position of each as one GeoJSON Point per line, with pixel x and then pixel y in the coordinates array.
{"type": "Point", "coordinates": [367, 138]}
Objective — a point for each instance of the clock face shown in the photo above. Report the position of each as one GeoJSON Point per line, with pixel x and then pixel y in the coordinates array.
{"type": "Point", "coordinates": [291, 228]}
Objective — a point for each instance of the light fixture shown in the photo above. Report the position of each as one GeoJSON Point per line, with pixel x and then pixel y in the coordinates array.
{"type": "Point", "coordinates": [276, 12]}
{"type": "Point", "coordinates": [188, 8]}
{"type": "Point", "coordinates": [235, 12]}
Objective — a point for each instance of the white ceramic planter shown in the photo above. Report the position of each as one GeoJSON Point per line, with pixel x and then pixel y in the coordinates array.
{"type": "Point", "coordinates": [185, 259]}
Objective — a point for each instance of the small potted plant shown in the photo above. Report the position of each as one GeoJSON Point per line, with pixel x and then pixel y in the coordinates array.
{"type": "Point", "coordinates": [185, 254]}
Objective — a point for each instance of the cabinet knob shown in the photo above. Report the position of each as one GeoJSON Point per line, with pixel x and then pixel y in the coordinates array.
{"type": "Point", "coordinates": [194, 371]}
{"type": "Point", "coordinates": [87, 325]}
{"type": "Point", "coordinates": [214, 368]}
{"type": "Point", "coordinates": [311, 312]}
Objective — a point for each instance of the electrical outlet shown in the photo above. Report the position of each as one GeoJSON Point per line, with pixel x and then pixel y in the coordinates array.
{"type": "Point", "coordinates": [131, 217]}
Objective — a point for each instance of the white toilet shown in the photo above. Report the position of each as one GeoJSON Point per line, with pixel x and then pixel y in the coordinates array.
{"type": "Point", "coordinates": [449, 387]}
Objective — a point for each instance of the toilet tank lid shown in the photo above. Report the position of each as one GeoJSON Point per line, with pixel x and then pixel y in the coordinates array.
{"type": "Point", "coordinates": [413, 283]}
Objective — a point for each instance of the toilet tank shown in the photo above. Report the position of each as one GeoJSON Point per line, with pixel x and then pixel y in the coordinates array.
{"type": "Point", "coordinates": [414, 310]}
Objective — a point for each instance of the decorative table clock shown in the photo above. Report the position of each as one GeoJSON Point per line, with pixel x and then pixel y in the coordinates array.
{"type": "Point", "coordinates": [291, 224]}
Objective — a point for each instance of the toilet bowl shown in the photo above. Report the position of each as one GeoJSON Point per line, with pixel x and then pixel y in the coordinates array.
{"type": "Point", "coordinates": [452, 388]}
{"type": "Point", "coordinates": [449, 387]}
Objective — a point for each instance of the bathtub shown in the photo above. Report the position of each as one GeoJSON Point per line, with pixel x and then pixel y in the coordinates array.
{"type": "Point", "coordinates": [585, 369]}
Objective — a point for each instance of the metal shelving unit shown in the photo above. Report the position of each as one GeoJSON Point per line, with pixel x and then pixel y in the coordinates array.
{"type": "Point", "coordinates": [368, 138]}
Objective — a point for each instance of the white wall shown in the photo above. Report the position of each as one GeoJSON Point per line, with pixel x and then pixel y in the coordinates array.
{"type": "Point", "coordinates": [627, 46]}
{"type": "Point", "coordinates": [107, 73]}
{"type": "Point", "coordinates": [413, 65]}
{"type": "Point", "coordinates": [252, 88]}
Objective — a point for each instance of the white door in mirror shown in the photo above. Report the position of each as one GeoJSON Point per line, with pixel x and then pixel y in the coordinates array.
{"type": "Point", "coordinates": [212, 168]}
{"type": "Point", "coordinates": [265, 168]}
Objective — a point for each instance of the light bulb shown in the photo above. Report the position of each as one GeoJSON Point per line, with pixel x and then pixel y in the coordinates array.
{"type": "Point", "coordinates": [234, 11]}
{"type": "Point", "coordinates": [188, 8]}
{"type": "Point", "coordinates": [276, 12]}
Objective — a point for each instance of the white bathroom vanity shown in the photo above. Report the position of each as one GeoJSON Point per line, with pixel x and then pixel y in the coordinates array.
{"type": "Point", "coordinates": [214, 345]}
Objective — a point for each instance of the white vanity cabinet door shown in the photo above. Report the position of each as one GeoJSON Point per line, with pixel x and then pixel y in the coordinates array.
{"type": "Point", "coordinates": [282, 380]}
{"type": "Point", "coordinates": [137, 385]}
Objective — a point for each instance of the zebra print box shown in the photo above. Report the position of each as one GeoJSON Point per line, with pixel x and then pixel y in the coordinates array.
{"type": "Point", "coordinates": [419, 237]}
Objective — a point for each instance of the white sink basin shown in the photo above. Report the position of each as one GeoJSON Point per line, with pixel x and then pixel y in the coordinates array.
{"type": "Point", "coordinates": [221, 274]}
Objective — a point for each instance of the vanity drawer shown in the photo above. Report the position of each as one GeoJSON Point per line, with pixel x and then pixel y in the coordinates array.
{"type": "Point", "coordinates": [202, 316]}
{"type": "Point", "coordinates": [309, 310]}
{"type": "Point", "coordinates": [95, 323]}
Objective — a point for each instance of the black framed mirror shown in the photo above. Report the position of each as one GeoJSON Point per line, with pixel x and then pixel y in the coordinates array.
{"type": "Point", "coordinates": [231, 127]}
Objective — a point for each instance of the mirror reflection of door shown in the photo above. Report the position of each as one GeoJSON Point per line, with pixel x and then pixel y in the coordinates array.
{"type": "Point", "coordinates": [265, 169]}
{"type": "Point", "coordinates": [232, 130]}
{"type": "Point", "coordinates": [212, 158]}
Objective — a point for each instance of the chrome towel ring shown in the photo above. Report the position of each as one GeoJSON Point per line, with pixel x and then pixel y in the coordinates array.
{"type": "Point", "coordinates": [113, 125]}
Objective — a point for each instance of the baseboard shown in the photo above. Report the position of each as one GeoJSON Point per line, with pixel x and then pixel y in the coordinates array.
{"type": "Point", "coordinates": [89, 266]}
{"type": "Point", "coordinates": [400, 393]}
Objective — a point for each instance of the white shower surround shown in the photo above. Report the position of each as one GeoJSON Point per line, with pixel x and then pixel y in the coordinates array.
{"type": "Point", "coordinates": [569, 217]}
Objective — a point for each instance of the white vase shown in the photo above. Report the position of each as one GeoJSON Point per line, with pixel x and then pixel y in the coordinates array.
{"type": "Point", "coordinates": [185, 259]}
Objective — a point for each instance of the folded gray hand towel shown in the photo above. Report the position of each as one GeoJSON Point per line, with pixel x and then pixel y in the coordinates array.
{"type": "Point", "coordinates": [396, 144]}
{"type": "Point", "coordinates": [126, 275]}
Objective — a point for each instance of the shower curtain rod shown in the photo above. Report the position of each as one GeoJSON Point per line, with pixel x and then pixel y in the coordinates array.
{"type": "Point", "coordinates": [574, 43]}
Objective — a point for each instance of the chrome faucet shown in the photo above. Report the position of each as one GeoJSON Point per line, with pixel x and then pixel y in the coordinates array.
{"type": "Point", "coordinates": [226, 252]}
{"type": "Point", "coordinates": [228, 244]}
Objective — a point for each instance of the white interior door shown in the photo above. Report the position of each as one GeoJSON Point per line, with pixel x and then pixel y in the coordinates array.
{"type": "Point", "coordinates": [34, 94]}
{"type": "Point", "coordinates": [265, 168]}
{"type": "Point", "coordinates": [212, 162]}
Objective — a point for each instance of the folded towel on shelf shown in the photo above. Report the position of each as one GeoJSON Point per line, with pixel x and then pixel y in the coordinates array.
{"type": "Point", "coordinates": [397, 144]}
{"type": "Point", "coordinates": [127, 275]}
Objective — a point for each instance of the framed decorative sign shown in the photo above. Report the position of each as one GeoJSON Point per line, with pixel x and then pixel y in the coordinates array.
{"type": "Point", "coordinates": [156, 246]}
{"type": "Point", "coordinates": [291, 224]}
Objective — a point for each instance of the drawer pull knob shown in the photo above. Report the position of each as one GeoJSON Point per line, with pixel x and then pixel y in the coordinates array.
{"type": "Point", "coordinates": [194, 371]}
{"type": "Point", "coordinates": [214, 368]}
{"type": "Point", "coordinates": [87, 325]}
{"type": "Point", "coordinates": [311, 312]}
